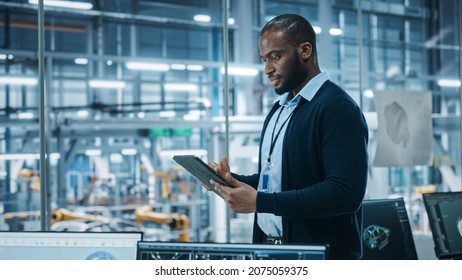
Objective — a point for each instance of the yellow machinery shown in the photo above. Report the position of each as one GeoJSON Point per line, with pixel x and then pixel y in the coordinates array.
{"type": "Point", "coordinates": [171, 175]}
{"type": "Point", "coordinates": [31, 178]}
{"type": "Point", "coordinates": [56, 216]}
{"type": "Point", "coordinates": [174, 220]}
{"type": "Point", "coordinates": [62, 214]}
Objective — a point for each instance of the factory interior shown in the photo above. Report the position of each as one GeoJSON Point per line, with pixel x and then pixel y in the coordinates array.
{"type": "Point", "coordinates": [98, 96]}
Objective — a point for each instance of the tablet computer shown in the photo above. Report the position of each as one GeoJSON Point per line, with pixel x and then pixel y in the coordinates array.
{"type": "Point", "coordinates": [201, 171]}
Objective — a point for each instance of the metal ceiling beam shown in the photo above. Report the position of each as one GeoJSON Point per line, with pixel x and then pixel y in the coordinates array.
{"type": "Point", "coordinates": [33, 25]}
{"type": "Point", "coordinates": [127, 18]}
{"type": "Point", "coordinates": [114, 58]}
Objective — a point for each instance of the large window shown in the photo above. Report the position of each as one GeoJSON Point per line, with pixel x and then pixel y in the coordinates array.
{"type": "Point", "coordinates": [130, 83]}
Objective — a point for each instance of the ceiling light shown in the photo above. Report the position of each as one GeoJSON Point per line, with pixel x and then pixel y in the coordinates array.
{"type": "Point", "coordinates": [141, 115]}
{"type": "Point", "coordinates": [116, 158]}
{"type": "Point", "coordinates": [448, 83]}
{"type": "Point", "coordinates": [55, 156]}
{"type": "Point", "coordinates": [317, 29]}
{"type": "Point", "coordinates": [26, 156]}
{"type": "Point", "coordinates": [3, 56]}
{"type": "Point", "coordinates": [231, 21]}
{"type": "Point", "coordinates": [197, 113]}
{"type": "Point", "coordinates": [93, 152]}
{"type": "Point", "coordinates": [82, 113]}
{"type": "Point", "coordinates": [181, 87]}
{"type": "Point", "coordinates": [64, 4]}
{"type": "Point", "coordinates": [167, 114]}
{"type": "Point", "coordinates": [110, 84]}
{"type": "Point", "coordinates": [128, 152]}
{"type": "Point", "coordinates": [18, 156]}
{"type": "Point", "coordinates": [368, 93]}
{"type": "Point", "coordinates": [189, 117]}
{"type": "Point", "coordinates": [147, 66]}
{"type": "Point", "coordinates": [335, 31]}
{"type": "Point", "coordinates": [30, 81]}
{"type": "Point", "coordinates": [195, 67]}
{"type": "Point", "coordinates": [202, 18]}
{"type": "Point", "coordinates": [178, 66]}
{"type": "Point", "coordinates": [81, 61]}
{"type": "Point", "coordinates": [238, 71]}
{"type": "Point", "coordinates": [25, 115]}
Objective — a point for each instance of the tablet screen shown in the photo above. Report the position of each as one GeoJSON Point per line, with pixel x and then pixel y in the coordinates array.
{"type": "Point", "coordinates": [200, 170]}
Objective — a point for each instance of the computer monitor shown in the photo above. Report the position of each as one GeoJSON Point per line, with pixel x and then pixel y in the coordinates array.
{"type": "Point", "coordinates": [152, 250]}
{"type": "Point", "coordinates": [51, 245]}
{"type": "Point", "coordinates": [387, 233]}
{"type": "Point", "coordinates": [444, 210]}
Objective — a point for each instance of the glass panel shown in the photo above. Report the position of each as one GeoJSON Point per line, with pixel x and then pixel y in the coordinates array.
{"type": "Point", "coordinates": [19, 145]}
{"type": "Point", "coordinates": [146, 76]}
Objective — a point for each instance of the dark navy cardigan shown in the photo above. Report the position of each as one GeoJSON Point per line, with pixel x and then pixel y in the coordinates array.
{"type": "Point", "coordinates": [324, 174]}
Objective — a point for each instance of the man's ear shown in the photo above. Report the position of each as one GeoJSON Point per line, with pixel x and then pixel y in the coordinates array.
{"type": "Point", "coordinates": [306, 50]}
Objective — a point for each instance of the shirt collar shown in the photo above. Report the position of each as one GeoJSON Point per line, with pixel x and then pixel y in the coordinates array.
{"type": "Point", "coordinates": [307, 92]}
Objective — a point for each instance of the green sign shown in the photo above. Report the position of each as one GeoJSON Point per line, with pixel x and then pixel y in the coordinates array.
{"type": "Point", "coordinates": [170, 132]}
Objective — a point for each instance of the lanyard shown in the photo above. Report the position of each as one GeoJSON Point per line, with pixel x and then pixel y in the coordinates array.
{"type": "Point", "coordinates": [275, 138]}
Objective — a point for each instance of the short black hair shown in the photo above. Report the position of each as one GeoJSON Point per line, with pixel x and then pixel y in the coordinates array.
{"type": "Point", "coordinates": [298, 29]}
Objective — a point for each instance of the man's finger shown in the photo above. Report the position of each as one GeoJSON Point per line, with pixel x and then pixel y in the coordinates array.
{"type": "Point", "coordinates": [213, 165]}
{"type": "Point", "coordinates": [224, 163]}
{"type": "Point", "coordinates": [206, 187]}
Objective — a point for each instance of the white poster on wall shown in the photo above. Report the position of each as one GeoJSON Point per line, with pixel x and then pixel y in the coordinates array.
{"type": "Point", "coordinates": [405, 133]}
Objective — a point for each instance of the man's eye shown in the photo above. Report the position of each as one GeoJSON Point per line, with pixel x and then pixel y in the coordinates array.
{"type": "Point", "coordinates": [276, 58]}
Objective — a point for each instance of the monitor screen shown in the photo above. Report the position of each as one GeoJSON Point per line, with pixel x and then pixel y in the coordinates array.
{"type": "Point", "coordinates": [387, 233]}
{"type": "Point", "coordinates": [444, 210]}
{"type": "Point", "coordinates": [150, 250]}
{"type": "Point", "coordinates": [50, 245]}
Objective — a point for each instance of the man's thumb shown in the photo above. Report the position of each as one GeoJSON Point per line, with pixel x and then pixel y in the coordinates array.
{"type": "Point", "coordinates": [231, 180]}
{"type": "Point", "coordinates": [224, 164]}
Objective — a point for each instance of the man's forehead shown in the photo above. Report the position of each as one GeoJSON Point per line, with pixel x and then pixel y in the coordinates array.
{"type": "Point", "coordinates": [273, 41]}
{"type": "Point", "coordinates": [276, 34]}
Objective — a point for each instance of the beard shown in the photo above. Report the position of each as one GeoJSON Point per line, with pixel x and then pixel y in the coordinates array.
{"type": "Point", "coordinates": [296, 73]}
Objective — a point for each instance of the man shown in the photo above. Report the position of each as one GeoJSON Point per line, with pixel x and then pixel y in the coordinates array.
{"type": "Point", "coordinates": [313, 151]}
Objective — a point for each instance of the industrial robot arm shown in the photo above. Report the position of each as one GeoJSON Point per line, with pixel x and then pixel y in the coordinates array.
{"type": "Point", "coordinates": [174, 220]}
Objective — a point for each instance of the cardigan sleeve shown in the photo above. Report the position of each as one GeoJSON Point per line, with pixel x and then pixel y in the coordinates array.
{"type": "Point", "coordinates": [251, 180]}
{"type": "Point", "coordinates": [341, 158]}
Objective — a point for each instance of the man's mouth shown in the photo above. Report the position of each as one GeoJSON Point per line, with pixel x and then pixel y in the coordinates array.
{"type": "Point", "coordinates": [274, 81]}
